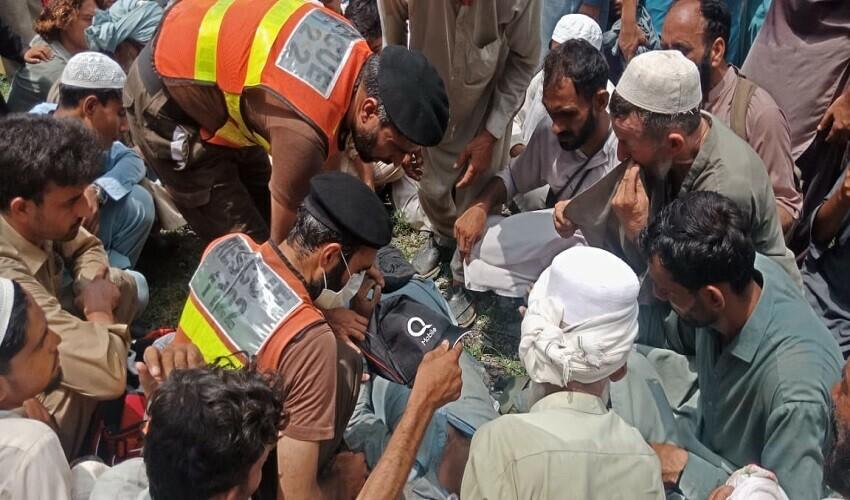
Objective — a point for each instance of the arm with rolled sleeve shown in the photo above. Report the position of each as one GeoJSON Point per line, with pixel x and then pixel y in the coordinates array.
{"type": "Point", "coordinates": [523, 40]}
{"type": "Point", "coordinates": [125, 170]}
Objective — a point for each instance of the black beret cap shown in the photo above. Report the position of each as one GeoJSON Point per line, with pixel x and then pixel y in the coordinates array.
{"type": "Point", "coordinates": [345, 204]}
{"type": "Point", "coordinates": [413, 95]}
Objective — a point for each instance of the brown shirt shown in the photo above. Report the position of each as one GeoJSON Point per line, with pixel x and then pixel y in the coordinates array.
{"type": "Point", "coordinates": [768, 134]}
{"type": "Point", "coordinates": [298, 150]}
{"type": "Point", "coordinates": [308, 368]}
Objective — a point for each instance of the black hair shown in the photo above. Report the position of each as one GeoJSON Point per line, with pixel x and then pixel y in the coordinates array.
{"type": "Point", "coordinates": [702, 238]}
{"type": "Point", "coordinates": [579, 61]}
{"type": "Point", "coordinates": [368, 77]}
{"type": "Point", "coordinates": [717, 19]}
{"type": "Point", "coordinates": [70, 97]}
{"type": "Point", "coordinates": [308, 234]}
{"type": "Point", "coordinates": [208, 427]}
{"type": "Point", "coordinates": [657, 125]}
{"type": "Point", "coordinates": [16, 332]}
{"type": "Point", "coordinates": [363, 14]}
{"type": "Point", "coordinates": [38, 149]}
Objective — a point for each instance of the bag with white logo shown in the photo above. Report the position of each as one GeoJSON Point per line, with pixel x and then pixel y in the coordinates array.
{"type": "Point", "coordinates": [400, 332]}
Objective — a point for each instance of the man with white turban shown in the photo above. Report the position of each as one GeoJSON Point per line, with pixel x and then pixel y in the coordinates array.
{"type": "Point", "coordinates": [578, 331]}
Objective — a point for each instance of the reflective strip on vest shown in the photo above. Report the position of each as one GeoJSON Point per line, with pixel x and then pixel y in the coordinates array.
{"type": "Point", "coordinates": [237, 301]}
{"type": "Point", "coordinates": [265, 37]}
{"type": "Point", "coordinates": [206, 50]}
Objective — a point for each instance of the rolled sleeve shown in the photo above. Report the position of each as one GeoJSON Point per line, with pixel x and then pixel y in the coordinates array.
{"type": "Point", "coordinates": [125, 169]}
{"type": "Point", "coordinates": [523, 40]}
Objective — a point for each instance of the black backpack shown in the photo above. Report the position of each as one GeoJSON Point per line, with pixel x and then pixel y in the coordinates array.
{"type": "Point", "coordinates": [400, 332]}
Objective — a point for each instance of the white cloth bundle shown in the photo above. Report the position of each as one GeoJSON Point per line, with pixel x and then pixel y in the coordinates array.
{"type": "Point", "coordinates": [582, 318]}
{"type": "Point", "coordinates": [754, 483]}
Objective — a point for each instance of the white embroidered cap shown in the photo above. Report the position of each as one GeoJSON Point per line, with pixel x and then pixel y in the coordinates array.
{"type": "Point", "coordinates": [578, 27]}
{"type": "Point", "coordinates": [661, 81]}
{"type": "Point", "coordinates": [93, 70]}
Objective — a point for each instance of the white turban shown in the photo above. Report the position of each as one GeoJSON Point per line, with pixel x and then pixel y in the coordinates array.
{"type": "Point", "coordinates": [7, 302]}
{"type": "Point", "coordinates": [578, 27]}
{"type": "Point", "coordinates": [582, 318]}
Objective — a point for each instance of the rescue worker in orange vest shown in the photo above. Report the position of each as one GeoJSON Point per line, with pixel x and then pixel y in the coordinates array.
{"type": "Point", "coordinates": [225, 83]}
{"type": "Point", "coordinates": [267, 301]}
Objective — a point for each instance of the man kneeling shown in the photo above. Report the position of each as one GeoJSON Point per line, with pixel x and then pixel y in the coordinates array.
{"type": "Point", "coordinates": [576, 336]}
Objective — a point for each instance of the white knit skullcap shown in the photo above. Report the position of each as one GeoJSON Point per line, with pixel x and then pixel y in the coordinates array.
{"type": "Point", "coordinates": [93, 70]}
{"type": "Point", "coordinates": [7, 302]}
{"type": "Point", "coordinates": [661, 81]}
{"type": "Point", "coordinates": [578, 27]}
{"type": "Point", "coordinates": [582, 318]}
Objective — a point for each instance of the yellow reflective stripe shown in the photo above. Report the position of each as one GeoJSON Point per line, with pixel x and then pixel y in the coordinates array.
{"type": "Point", "coordinates": [235, 130]}
{"type": "Point", "coordinates": [201, 333]}
{"type": "Point", "coordinates": [207, 47]}
{"type": "Point", "coordinates": [266, 34]}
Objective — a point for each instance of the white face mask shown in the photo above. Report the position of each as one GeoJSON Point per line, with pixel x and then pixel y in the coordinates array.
{"type": "Point", "coordinates": [330, 299]}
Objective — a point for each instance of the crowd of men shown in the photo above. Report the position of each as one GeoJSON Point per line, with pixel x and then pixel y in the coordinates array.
{"type": "Point", "coordinates": [660, 189]}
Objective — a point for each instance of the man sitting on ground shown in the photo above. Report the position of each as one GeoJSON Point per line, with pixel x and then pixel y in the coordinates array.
{"type": "Point", "coordinates": [581, 322]}
{"type": "Point", "coordinates": [123, 211]}
{"type": "Point", "coordinates": [568, 154]}
{"type": "Point", "coordinates": [758, 346]}
{"type": "Point", "coordinates": [46, 165]}
{"type": "Point", "coordinates": [700, 29]}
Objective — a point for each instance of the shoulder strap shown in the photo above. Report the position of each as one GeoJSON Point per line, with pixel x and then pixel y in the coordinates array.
{"type": "Point", "coordinates": [744, 90]}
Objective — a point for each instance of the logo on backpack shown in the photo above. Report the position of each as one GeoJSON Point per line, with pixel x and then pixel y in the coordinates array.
{"type": "Point", "coordinates": [421, 331]}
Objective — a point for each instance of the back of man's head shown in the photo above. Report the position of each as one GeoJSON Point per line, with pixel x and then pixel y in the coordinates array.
{"type": "Point", "coordinates": [363, 14]}
{"type": "Point", "coordinates": [209, 429]}
{"type": "Point", "coordinates": [701, 239]}
{"type": "Point", "coordinates": [36, 150]}
{"type": "Point", "coordinates": [579, 61]}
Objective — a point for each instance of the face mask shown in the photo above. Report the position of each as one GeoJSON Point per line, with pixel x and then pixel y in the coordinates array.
{"type": "Point", "coordinates": [330, 299]}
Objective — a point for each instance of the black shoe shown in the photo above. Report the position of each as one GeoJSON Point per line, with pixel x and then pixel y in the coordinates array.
{"type": "Point", "coordinates": [461, 306]}
{"type": "Point", "coordinates": [427, 259]}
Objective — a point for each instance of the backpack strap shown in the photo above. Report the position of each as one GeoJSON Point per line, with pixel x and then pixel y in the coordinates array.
{"type": "Point", "coordinates": [744, 90]}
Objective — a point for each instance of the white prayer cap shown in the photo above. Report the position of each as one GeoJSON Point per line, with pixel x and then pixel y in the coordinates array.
{"type": "Point", "coordinates": [661, 81]}
{"type": "Point", "coordinates": [93, 70]}
{"type": "Point", "coordinates": [578, 27]}
{"type": "Point", "coordinates": [582, 318]}
{"type": "Point", "coordinates": [7, 302]}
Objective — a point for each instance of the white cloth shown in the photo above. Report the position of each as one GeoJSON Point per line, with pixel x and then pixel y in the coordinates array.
{"type": "Point", "coordinates": [93, 70]}
{"type": "Point", "coordinates": [661, 81]}
{"type": "Point", "coordinates": [754, 483]}
{"type": "Point", "coordinates": [578, 26]}
{"type": "Point", "coordinates": [582, 318]}
{"type": "Point", "coordinates": [7, 302]}
{"type": "Point", "coordinates": [32, 461]}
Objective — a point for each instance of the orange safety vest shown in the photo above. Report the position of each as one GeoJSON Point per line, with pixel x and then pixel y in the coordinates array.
{"type": "Point", "coordinates": [245, 301]}
{"type": "Point", "coordinates": [306, 55]}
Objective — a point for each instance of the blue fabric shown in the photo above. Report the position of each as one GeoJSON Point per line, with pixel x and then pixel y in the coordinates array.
{"type": "Point", "coordinates": [135, 20]}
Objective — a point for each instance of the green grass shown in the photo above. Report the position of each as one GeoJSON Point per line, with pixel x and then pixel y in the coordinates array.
{"type": "Point", "coordinates": [494, 340]}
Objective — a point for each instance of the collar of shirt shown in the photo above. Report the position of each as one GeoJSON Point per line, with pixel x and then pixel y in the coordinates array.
{"type": "Point", "coordinates": [703, 158]}
{"type": "Point", "coordinates": [34, 257]}
{"type": "Point", "coordinates": [746, 344]}
{"type": "Point", "coordinates": [722, 92]}
{"type": "Point", "coordinates": [571, 400]}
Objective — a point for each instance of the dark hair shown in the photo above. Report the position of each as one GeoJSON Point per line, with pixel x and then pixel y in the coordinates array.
{"type": "Point", "coordinates": [657, 125]}
{"type": "Point", "coordinates": [579, 61]}
{"type": "Point", "coordinates": [717, 19]}
{"type": "Point", "coordinates": [836, 470]}
{"type": "Point", "coordinates": [702, 238]}
{"type": "Point", "coordinates": [16, 332]}
{"type": "Point", "coordinates": [308, 234]}
{"type": "Point", "coordinates": [70, 97]}
{"type": "Point", "coordinates": [208, 426]}
{"type": "Point", "coordinates": [363, 14]}
{"type": "Point", "coordinates": [38, 149]}
{"type": "Point", "coordinates": [368, 77]}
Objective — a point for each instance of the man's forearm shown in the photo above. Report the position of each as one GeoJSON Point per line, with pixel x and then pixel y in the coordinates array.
{"type": "Point", "coordinates": [388, 478]}
{"type": "Point", "coordinates": [493, 195]}
{"type": "Point", "coordinates": [829, 219]}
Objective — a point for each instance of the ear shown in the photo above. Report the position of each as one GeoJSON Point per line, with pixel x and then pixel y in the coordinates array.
{"type": "Point", "coordinates": [718, 53]}
{"type": "Point", "coordinates": [329, 255]}
{"type": "Point", "coordinates": [90, 104]}
{"type": "Point", "coordinates": [368, 108]}
{"type": "Point", "coordinates": [713, 297]}
{"type": "Point", "coordinates": [600, 100]}
{"type": "Point", "coordinates": [619, 374]}
{"type": "Point", "coordinates": [20, 207]}
{"type": "Point", "coordinates": [676, 141]}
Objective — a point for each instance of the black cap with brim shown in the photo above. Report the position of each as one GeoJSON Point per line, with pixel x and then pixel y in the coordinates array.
{"type": "Point", "coordinates": [345, 204]}
{"type": "Point", "coordinates": [413, 95]}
